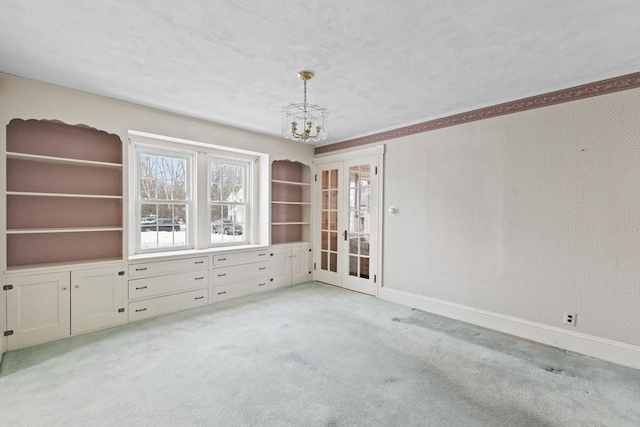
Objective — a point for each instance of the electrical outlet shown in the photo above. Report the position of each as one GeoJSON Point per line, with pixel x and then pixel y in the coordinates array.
{"type": "Point", "coordinates": [570, 318]}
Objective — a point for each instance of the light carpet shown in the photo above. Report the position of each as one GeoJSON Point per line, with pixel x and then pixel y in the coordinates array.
{"type": "Point", "coordinates": [310, 355]}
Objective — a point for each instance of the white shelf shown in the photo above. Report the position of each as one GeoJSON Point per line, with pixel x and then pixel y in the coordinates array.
{"type": "Point", "coordinates": [290, 223]}
{"type": "Point", "coordinates": [291, 203]}
{"type": "Point", "coordinates": [304, 184]}
{"type": "Point", "coordinates": [62, 230]}
{"type": "Point", "coordinates": [61, 160]}
{"type": "Point", "coordinates": [82, 196]}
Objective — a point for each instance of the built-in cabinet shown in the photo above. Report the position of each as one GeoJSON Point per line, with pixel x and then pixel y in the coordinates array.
{"type": "Point", "coordinates": [290, 260]}
{"type": "Point", "coordinates": [64, 272]}
{"type": "Point", "coordinates": [64, 266]}
{"type": "Point", "coordinates": [48, 306]}
{"type": "Point", "coordinates": [238, 274]}
{"type": "Point", "coordinates": [290, 265]}
{"type": "Point", "coordinates": [63, 194]}
{"type": "Point", "coordinates": [162, 287]}
{"type": "Point", "coordinates": [290, 202]}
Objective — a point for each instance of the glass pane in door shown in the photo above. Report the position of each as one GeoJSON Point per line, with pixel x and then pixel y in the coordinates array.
{"type": "Point", "coordinates": [329, 223]}
{"type": "Point", "coordinates": [359, 220]}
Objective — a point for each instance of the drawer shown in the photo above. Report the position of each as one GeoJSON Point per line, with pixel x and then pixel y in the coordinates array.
{"type": "Point", "coordinates": [178, 282]}
{"type": "Point", "coordinates": [240, 289]}
{"type": "Point", "coordinates": [161, 267]}
{"type": "Point", "coordinates": [240, 258]}
{"type": "Point", "coordinates": [168, 304]}
{"type": "Point", "coordinates": [237, 273]}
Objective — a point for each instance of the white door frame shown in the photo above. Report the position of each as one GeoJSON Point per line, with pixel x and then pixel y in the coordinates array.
{"type": "Point", "coordinates": [378, 151]}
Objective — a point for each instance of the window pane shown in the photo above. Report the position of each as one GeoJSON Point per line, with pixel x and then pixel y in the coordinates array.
{"type": "Point", "coordinates": [333, 262]}
{"type": "Point", "coordinates": [334, 178]}
{"type": "Point", "coordinates": [163, 225]}
{"type": "Point", "coordinates": [353, 266]}
{"type": "Point", "coordinates": [228, 195]}
{"type": "Point", "coordinates": [147, 166]}
{"type": "Point", "coordinates": [215, 182]}
{"type": "Point", "coordinates": [364, 268]}
{"type": "Point", "coordinates": [333, 241]}
{"type": "Point", "coordinates": [334, 199]}
{"type": "Point", "coordinates": [147, 189]}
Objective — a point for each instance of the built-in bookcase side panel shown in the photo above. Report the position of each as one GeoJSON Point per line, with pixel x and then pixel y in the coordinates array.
{"type": "Point", "coordinates": [42, 177]}
{"type": "Point", "coordinates": [61, 140]}
{"type": "Point", "coordinates": [24, 212]}
{"type": "Point", "coordinates": [29, 249]}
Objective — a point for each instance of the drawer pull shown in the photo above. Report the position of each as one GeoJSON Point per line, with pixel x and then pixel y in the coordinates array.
{"type": "Point", "coordinates": [261, 284]}
{"type": "Point", "coordinates": [222, 293]}
{"type": "Point", "coordinates": [261, 254]}
{"type": "Point", "coordinates": [221, 275]}
{"type": "Point", "coordinates": [222, 259]}
{"type": "Point", "coordinates": [199, 262]}
{"type": "Point", "coordinates": [199, 278]}
{"type": "Point", "coordinates": [262, 268]}
{"type": "Point", "coordinates": [142, 309]}
{"type": "Point", "coordinates": [141, 269]}
{"type": "Point", "coordinates": [199, 297]}
{"type": "Point", "coordinates": [141, 287]}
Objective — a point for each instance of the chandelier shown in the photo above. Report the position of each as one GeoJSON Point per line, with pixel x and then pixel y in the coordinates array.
{"type": "Point", "coordinates": [304, 122]}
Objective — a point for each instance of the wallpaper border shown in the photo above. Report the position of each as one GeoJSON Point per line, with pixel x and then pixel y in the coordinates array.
{"type": "Point", "coordinates": [603, 87]}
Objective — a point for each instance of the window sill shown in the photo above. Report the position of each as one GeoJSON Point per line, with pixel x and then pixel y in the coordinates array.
{"type": "Point", "coordinates": [157, 256]}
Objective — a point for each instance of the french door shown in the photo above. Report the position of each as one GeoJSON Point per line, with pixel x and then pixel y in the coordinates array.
{"type": "Point", "coordinates": [347, 226]}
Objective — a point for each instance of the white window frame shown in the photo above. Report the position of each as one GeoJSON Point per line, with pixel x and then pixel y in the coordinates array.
{"type": "Point", "coordinates": [247, 231]}
{"type": "Point", "coordinates": [189, 156]}
{"type": "Point", "coordinates": [198, 210]}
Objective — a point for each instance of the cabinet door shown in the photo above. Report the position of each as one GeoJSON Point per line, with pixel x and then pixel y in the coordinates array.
{"type": "Point", "coordinates": [279, 268]}
{"type": "Point", "coordinates": [37, 309]}
{"type": "Point", "coordinates": [96, 298]}
{"type": "Point", "coordinates": [301, 264]}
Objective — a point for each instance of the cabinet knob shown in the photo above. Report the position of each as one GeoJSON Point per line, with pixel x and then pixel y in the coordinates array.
{"type": "Point", "coordinates": [77, 286]}
{"type": "Point", "coordinates": [64, 288]}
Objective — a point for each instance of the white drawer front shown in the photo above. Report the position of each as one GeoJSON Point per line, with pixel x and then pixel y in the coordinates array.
{"type": "Point", "coordinates": [161, 267]}
{"type": "Point", "coordinates": [162, 305]}
{"type": "Point", "coordinates": [241, 272]}
{"type": "Point", "coordinates": [240, 258]}
{"type": "Point", "coordinates": [152, 286]}
{"type": "Point", "coordinates": [239, 289]}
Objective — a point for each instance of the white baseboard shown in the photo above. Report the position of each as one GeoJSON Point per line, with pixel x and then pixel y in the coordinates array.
{"type": "Point", "coordinates": [612, 351]}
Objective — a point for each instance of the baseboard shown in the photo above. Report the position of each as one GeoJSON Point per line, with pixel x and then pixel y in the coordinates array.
{"type": "Point", "coordinates": [612, 351]}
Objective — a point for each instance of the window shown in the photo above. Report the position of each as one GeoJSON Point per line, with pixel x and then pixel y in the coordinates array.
{"type": "Point", "coordinates": [164, 200]}
{"type": "Point", "coordinates": [229, 201]}
{"type": "Point", "coordinates": [192, 195]}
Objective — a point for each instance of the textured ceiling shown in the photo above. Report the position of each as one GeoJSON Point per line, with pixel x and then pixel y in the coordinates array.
{"type": "Point", "coordinates": [379, 64]}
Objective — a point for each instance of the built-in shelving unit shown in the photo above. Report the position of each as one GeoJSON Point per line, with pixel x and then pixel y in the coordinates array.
{"type": "Point", "coordinates": [290, 202]}
{"type": "Point", "coordinates": [63, 194]}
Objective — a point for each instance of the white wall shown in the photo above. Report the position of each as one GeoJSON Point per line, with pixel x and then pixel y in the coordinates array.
{"type": "Point", "coordinates": [526, 216]}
